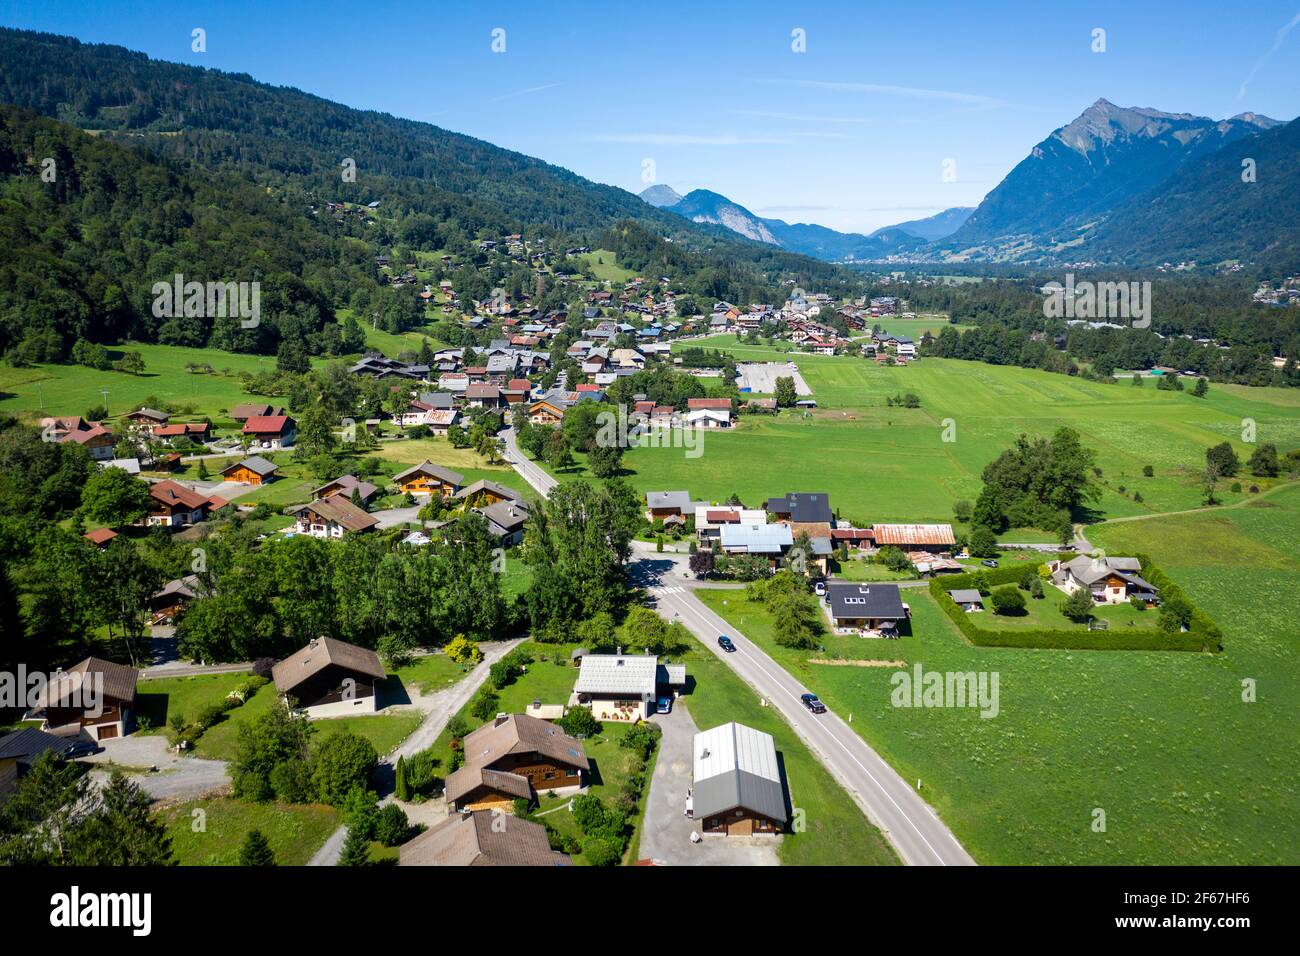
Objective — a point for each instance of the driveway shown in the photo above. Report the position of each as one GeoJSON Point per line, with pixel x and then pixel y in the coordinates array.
{"type": "Point", "coordinates": [666, 835]}
{"type": "Point", "coordinates": [177, 777]}
{"type": "Point", "coordinates": [440, 709]}
{"type": "Point", "coordinates": [391, 517]}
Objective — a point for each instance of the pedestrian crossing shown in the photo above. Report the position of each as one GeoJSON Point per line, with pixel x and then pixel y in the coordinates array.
{"type": "Point", "coordinates": [669, 590]}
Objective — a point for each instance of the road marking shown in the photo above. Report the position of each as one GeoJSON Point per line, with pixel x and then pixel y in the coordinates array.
{"type": "Point", "coordinates": [699, 614]}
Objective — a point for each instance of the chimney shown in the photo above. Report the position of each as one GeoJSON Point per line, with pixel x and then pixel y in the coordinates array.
{"type": "Point", "coordinates": [619, 650]}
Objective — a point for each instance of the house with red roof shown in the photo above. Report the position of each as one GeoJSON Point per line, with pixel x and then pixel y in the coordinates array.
{"type": "Point", "coordinates": [271, 431]}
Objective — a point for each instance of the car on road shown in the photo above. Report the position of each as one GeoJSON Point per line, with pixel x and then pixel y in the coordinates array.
{"type": "Point", "coordinates": [724, 642]}
{"type": "Point", "coordinates": [989, 563]}
{"type": "Point", "coordinates": [813, 703]}
{"type": "Point", "coordinates": [820, 588]}
{"type": "Point", "coordinates": [664, 705]}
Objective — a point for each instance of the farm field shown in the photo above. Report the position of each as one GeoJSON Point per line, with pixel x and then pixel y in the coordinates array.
{"type": "Point", "coordinates": [1185, 771]}
{"type": "Point", "coordinates": [881, 463]}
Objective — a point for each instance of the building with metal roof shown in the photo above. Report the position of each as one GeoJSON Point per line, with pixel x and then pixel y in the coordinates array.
{"type": "Point", "coordinates": [738, 789]}
{"type": "Point", "coordinates": [624, 686]}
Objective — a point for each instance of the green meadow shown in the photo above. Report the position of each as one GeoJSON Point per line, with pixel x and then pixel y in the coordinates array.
{"type": "Point", "coordinates": [1184, 770]}
{"type": "Point", "coordinates": [71, 389]}
{"type": "Point", "coordinates": [882, 463]}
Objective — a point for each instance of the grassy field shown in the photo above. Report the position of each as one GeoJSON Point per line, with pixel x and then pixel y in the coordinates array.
{"type": "Point", "coordinates": [881, 463]}
{"type": "Point", "coordinates": [603, 265]}
{"type": "Point", "coordinates": [295, 831]}
{"type": "Point", "coordinates": [1185, 771]}
{"type": "Point", "coordinates": [72, 389]}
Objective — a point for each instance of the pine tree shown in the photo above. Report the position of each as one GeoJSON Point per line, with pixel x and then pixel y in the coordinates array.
{"type": "Point", "coordinates": [203, 469]}
{"type": "Point", "coordinates": [356, 849]}
{"type": "Point", "coordinates": [402, 789]}
{"type": "Point", "coordinates": [256, 850]}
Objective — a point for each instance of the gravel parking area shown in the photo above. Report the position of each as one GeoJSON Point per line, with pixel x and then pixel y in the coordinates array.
{"type": "Point", "coordinates": [666, 836]}
{"type": "Point", "coordinates": [760, 377]}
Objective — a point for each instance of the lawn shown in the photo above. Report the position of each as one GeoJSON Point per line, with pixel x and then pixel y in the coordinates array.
{"type": "Point", "coordinates": [603, 265]}
{"type": "Point", "coordinates": [1045, 614]}
{"type": "Point", "coordinates": [159, 700]}
{"type": "Point", "coordinates": [1186, 772]}
{"type": "Point", "coordinates": [295, 831]}
{"type": "Point", "coordinates": [430, 672]}
{"type": "Point", "coordinates": [384, 730]}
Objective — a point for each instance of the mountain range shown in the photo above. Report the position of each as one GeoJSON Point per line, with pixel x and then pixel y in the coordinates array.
{"type": "Point", "coordinates": [1121, 185]}
{"type": "Point", "coordinates": [1116, 185]}
{"type": "Point", "coordinates": [704, 206]}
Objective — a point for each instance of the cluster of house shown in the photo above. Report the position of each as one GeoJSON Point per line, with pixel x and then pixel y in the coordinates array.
{"type": "Point", "coordinates": [1108, 580]}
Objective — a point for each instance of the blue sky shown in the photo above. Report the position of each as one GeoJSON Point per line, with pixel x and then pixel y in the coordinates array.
{"type": "Point", "coordinates": [852, 133]}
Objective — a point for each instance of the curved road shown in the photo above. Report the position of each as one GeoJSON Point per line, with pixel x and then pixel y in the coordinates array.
{"type": "Point", "coordinates": [906, 820]}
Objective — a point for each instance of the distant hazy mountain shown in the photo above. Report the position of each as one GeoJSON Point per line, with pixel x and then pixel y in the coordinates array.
{"type": "Point", "coordinates": [1082, 171]}
{"type": "Point", "coordinates": [934, 227]}
{"type": "Point", "coordinates": [702, 205]}
{"type": "Point", "coordinates": [660, 196]}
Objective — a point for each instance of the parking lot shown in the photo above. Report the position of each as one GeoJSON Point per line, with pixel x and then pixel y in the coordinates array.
{"type": "Point", "coordinates": [760, 377]}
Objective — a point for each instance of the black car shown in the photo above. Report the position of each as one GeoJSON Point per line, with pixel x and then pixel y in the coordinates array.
{"type": "Point", "coordinates": [813, 703]}
{"type": "Point", "coordinates": [82, 748]}
{"type": "Point", "coordinates": [724, 642]}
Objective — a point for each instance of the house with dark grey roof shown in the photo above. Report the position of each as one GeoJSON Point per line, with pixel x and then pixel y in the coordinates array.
{"type": "Point", "coordinates": [1108, 580]}
{"type": "Point", "coordinates": [968, 599]}
{"type": "Point", "coordinates": [19, 750]}
{"type": "Point", "coordinates": [806, 512]}
{"type": "Point", "coordinates": [664, 504]}
{"type": "Point", "coordinates": [738, 788]}
{"type": "Point", "coordinates": [874, 610]}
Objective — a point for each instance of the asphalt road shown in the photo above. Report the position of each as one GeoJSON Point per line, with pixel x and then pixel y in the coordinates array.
{"type": "Point", "coordinates": [907, 821]}
{"type": "Point", "coordinates": [527, 470]}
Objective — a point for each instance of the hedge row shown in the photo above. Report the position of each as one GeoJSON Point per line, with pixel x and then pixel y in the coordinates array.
{"type": "Point", "coordinates": [1204, 634]}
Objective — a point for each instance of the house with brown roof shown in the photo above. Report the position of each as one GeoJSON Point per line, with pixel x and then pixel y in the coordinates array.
{"type": "Point", "coordinates": [271, 431]}
{"type": "Point", "coordinates": [426, 478]}
{"type": "Point", "coordinates": [94, 699]}
{"type": "Point", "coordinates": [148, 418]}
{"type": "Point", "coordinates": [345, 485]}
{"type": "Point", "coordinates": [515, 757]}
{"type": "Point", "coordinates": [92, 436]}
{"type": "Point", "coordinates": [330, 678]}
{"type": "Point", "coordinates": [242, 413]}
{"type": "Point", "coordinates": [333, 517]}
{"type": "Point", "coordinates": [481, 839]}
{"type": "Point", "coordinates": [175, 506]}
{"type": "Point", "coordinates": [100, 537]}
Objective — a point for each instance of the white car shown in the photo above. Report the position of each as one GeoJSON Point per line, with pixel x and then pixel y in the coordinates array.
{"type": "Point", "coordinates": [820, 588]}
